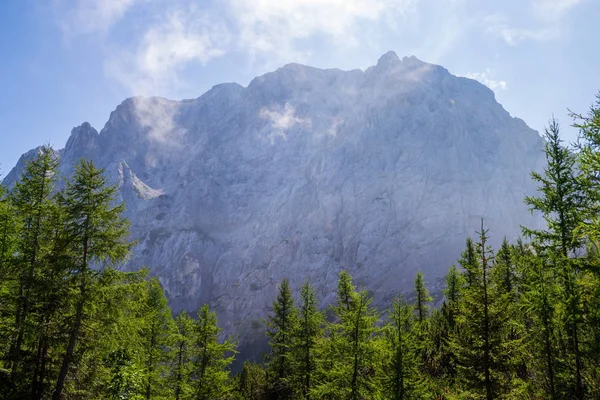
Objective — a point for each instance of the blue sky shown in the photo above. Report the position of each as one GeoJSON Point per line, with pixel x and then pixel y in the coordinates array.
{"type": "Point", "coordinates": [69, 61]}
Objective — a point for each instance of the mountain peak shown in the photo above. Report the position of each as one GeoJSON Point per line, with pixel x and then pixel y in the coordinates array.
{"type": "Point", "coordinates": [388, 59]}
{"type": "Point", "coordinates": [412, 61]}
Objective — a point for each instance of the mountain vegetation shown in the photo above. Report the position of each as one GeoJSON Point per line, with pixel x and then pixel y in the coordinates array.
{"type": "Point", "coordinates": [520, 322]}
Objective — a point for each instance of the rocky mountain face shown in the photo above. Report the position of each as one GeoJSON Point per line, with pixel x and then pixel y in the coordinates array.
{"type": "Point", "coordinates": [307, 172]}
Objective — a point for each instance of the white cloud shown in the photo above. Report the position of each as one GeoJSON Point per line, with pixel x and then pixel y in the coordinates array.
{"type": "Point", "coordinates": [181, 37]}
{"type": "Point", "coordinates": [90, 16]}
{"type": "Point", "coordinates": [281, 120]}
{"type": "Point", "coordinates": [498, 25]}
{"type": "Point", "coordinates": [553, 10]}
{"type": "Point", "coordinates": [547, 16]}
{"type": "Point", "coordinates": [484, 77]}
{"type": "Point", "coordinates": [275, 26]}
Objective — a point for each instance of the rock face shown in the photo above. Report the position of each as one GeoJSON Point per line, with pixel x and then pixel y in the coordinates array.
{"type": "Point", "coordinates": [306, 172]}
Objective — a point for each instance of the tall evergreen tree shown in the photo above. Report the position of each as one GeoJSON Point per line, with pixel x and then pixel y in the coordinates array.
{"type": "Point", "coordinates": [181, 366]}
{"type": "Point", "coordinates": [504, 269]}
{"type": "Point", "coordinates": [481, 343]}
{"type": "Point", "coordinates": [539, 302]}
{"type": "Point", "coordinates": [353, 347]}
{"type": "Point", "coordinates": [422, 298]}
{"type": "Point", "coordinates": [156, 333]}
{"type": "Point", "coordinates": [97, 234]}
{"type": "Point", "coordinates": [468, 262]}
{"type": "Point", "coordinates": [281, 326]}
{"type": "Point", "coordinates": [562, 204]}
{"type": "Point", "coordinates": [308, 332]}
{"type": "Point", "coordinates": [33, 202]}
{"type": "Point", "coordinates": [211, 359]}
{"type": "Point", "coordinates": [402, 379]}
{"type": "Point", "coordinates": [252, 382]}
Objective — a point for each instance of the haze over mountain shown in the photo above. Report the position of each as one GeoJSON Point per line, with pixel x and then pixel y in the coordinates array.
{"type": "Point", "coordinates": [307, 172]}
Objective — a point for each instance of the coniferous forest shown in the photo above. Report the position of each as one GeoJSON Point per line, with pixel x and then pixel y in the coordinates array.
{"type": "Point", "coordinates": [518, 322]}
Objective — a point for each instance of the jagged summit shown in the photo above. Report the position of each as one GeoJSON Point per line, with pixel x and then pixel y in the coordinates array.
{"type": "Point", "coordinates": [306, 172]}
{"type": "Point", "coordinates": [389, 58]}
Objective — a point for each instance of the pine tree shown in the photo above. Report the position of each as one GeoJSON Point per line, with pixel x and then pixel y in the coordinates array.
{"type": "Point", "coordinates": [281, 326]}
{"type": "Point", "coordinates": [156, 333]}
{"type": "Point", "coordinates": [452, 293]}
{"type": "Point", "coordinates": [539, 302]}
{"type": "Point", "coordinates": [353, 348]}
{"type": "Point", "coordinates": [563, 206]}
{"type": "Point", "coordinates": [504, 269]}
{"type": "Point", "coordinates": [481, 343]}
{"type": "Point", "coordinates": [588, 159]}
{"type": "Point", "coordinates": [33, 202]}
{"type": "Point", "coordinates": [308, 331]}
{"type": "Point", "coordinates": [422, 298]}
{"type": "Point", "coordinates": [402, 379]}
{"type": "Point", "coordinates": [211, 359]}
{"type": "Point", "coordinates": [252, 382]}
{"type": "Point", "coordinates": [345, 292]}
{"type": "Point", "coordinates": [97, 234]}
{"type": "Point", "coordinates": [8, 271]}
{"type": "Point", "coordinates": [181, 358]}
{"type": "Point", "coordinates": [440, 360]}
{"type": "Point", "coordinates": [468, 262]}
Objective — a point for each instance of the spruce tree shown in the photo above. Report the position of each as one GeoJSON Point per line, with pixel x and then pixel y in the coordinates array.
{"type": "Point", "coordinates": [562, 204]}
{"type": "Point", "coordinates": [402, 380]}
{"type": "Point", "coordinates": [211, 359]}
{"type": "Point", "coordinates": [252, 382]}
{"type": "Point", "coordinates": [181, 368]}
{"type": "Point", "coordinates": [468, 262]}
{"type": "Point", "coordinates": [281, 326]}
{"type": "Point", "coordinates": [353, 347]}
{"type": "Point", "coordinates": [156, 332]}
{"type": "Point", "coordinates": [588, 163]}
{"type": "Point", "coordinates": [308, 331]}
{"type": "Point", "coordinates": [452, 293]}
{"type": "Point", "coordinates": [422, 298]}
{"type": "Point", "coordinates": [97, 235]}
{"type": "Point", "coordinates": [33, 202]}
{"type": "Point", "coordinates": [504, 269]}
{"type": "Point", "coordinates": [481, 342]}
{"type": "Point", "coordinates": [539, 302]}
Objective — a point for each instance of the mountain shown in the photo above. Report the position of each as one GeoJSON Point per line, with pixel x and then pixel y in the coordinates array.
{"type": "Point", "coordinates": [306, 172]}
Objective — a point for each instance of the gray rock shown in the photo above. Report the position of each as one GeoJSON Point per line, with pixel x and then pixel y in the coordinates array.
{"type": "Point", "coordinates": [307, 172]}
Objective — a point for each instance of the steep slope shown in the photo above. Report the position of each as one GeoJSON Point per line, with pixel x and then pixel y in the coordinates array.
{"type": "Point", "coordinates": [306, 172]}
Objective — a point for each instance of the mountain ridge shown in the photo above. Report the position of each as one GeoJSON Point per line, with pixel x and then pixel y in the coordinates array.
{"type": "Point", "coordinates": [309, 171]}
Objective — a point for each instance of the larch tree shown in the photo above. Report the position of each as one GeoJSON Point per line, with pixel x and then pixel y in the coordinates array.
{"type": "Point", "coordinates": [97, 235]}
{"type": "Point", "coordinates": [281, 327]}
{"type": "Point", "coordinates": [562, 203]}
{"type": "Point", "coordinates": [308, 331]}
{"type": "Point", "coordinates": [211, 359]}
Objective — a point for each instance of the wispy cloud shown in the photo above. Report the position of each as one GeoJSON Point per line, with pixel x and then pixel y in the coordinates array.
{"type": "Point", "coordinates": [183, 36]}
{"type": "Point", "coordinates": [281, 121]}
{"type": "Point", "coordinates": [485, 78]}
{"type": "Point", "coordinates": [275, 26]}
{"type": "Point", "coordinates": [498, 25]}
{"type": "Point", "coordinates": [553, 10]}
{"type": "Point", "coordinates": [89, 16]}
{"type": "Point", "coordinates": [546, 22]}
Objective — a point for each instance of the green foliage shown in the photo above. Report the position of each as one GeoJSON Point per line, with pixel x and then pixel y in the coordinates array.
{"type": "Point", "coordinates": [422, 298]}
{"type": "Point", "coordinates": [281, 326]}
{"type": "Point", "coordinates": [252, 383]}
{"type": "Point", "coordinates": [306, 336]}
{"type": "Point", "coordinates": [76, 327]}
{"type": "Point", "coordinates": [402, 372]}
{"type": "Point", "coordinates": [351, 366]}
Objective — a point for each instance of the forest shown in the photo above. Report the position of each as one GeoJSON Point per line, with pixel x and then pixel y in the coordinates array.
{"type": "Point", "coordinates": [518, 322]}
